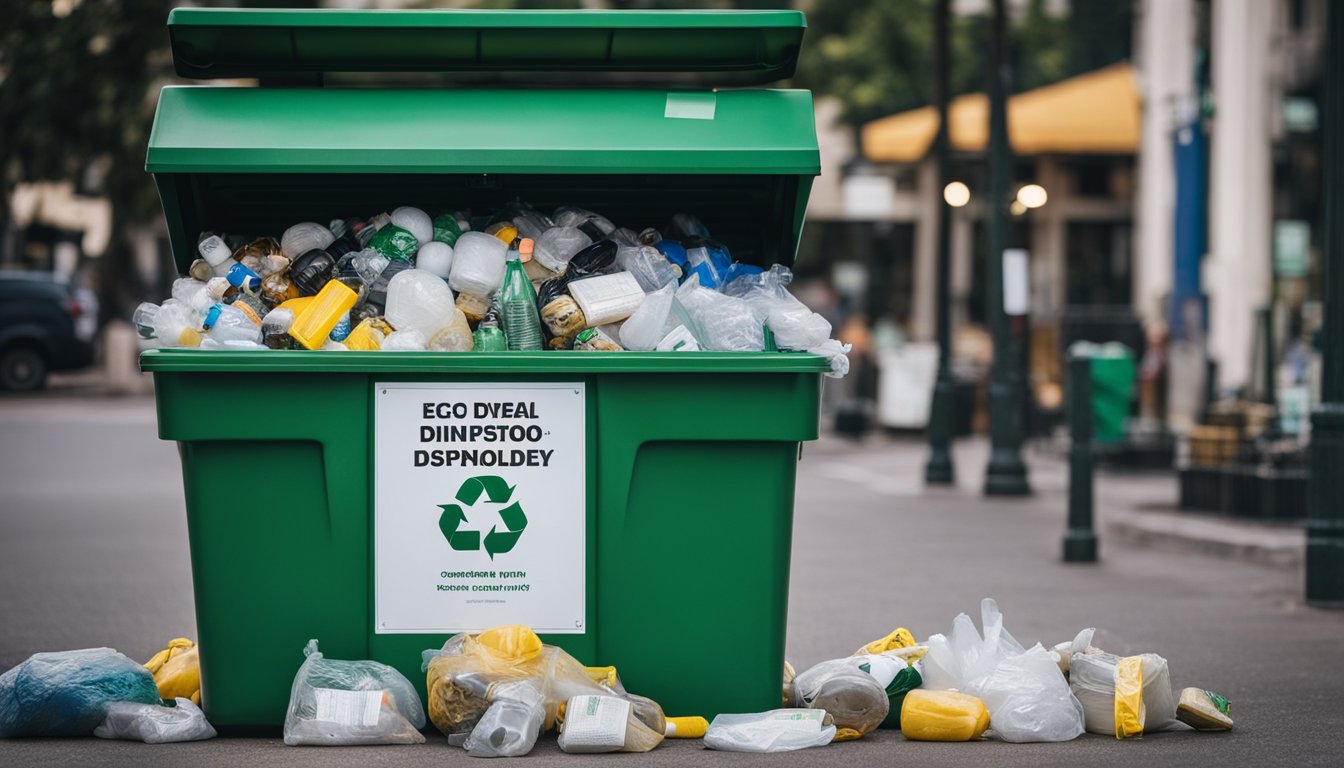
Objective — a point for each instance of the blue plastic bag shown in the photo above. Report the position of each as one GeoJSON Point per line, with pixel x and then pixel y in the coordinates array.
{"type": "Point", "coordinates": [67, 693]}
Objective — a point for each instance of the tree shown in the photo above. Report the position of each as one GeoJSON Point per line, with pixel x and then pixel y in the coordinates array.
{"type": "Point", "coordinates": [876, 55]}
{"type": "Point", "coordinates": [76, 105]}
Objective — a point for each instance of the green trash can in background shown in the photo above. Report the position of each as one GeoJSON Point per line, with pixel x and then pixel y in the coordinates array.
{"type": "Point", "coordinates": [636, 508]}
{"type": "Point", "coordinates": [1113, 378]}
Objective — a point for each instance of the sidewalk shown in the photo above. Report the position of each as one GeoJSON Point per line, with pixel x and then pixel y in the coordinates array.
{"type": "Point", "coordinates": [1135, 506]}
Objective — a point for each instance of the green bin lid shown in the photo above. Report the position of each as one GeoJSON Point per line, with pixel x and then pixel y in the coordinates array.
{"type": "Point", "coordinates": [703, 47]}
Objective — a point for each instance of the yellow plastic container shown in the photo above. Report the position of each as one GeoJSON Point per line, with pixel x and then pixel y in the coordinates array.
{"type": "Point", "coordinates": [1129, 697]}
{"type": "Point", "coordinates": [942, 716]}
{"type": "Point", "coordinates": [313, 323]}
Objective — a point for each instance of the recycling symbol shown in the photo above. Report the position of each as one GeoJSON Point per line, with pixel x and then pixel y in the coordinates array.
{"type": "Point", "coordinates": [497, 491]}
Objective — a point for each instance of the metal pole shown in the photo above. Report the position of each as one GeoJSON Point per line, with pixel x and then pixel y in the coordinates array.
{"type": "Point", "coordinates": [1080, 540]}
{"type": "Point", "coordinates": [1006, 475]}
{"type": "Point", "coordinates": [939, 470]}
{"type": "Point", "coordinates": [1325, 513]}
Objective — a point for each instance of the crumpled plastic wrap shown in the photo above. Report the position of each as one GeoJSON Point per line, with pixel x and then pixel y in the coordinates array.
{"type": "Point", "coordinates": [794, 325]}
{"type": "Point", "coordinates": [849, 694]}
{"type": "Point", "coordinates": [492, 693]}
{"type": "Point", "coordinates": [724, 323]}
{"type": "Point", "coordinates": [65, 693]}
{"type": "Point", "coordinates": [1026, 694]}
{"type": "Point", "coordinates": [155, 724]}
{"type": "Point", "coordinates": [334, 702]}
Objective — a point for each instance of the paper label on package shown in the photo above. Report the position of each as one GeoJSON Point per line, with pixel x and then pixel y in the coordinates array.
{"type": "Point", "coordinates": [352, 708]}
{"type": "Point", "coordinates": [596, 721]}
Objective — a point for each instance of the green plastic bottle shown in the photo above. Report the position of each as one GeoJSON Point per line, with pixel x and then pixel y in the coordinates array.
{"type": "Point", "coordinates": [518, 303]}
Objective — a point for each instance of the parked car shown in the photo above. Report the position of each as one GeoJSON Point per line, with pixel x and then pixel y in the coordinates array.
{"type": "Point", "coordinates": [45, 325]}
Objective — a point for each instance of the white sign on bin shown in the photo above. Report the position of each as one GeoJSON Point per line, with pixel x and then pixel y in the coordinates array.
{"type": "Point", "coordinates": [480, 507]}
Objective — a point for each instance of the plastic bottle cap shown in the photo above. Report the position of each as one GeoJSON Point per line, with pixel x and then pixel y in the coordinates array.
{"type": "Point", "coordinates": [525, 250]}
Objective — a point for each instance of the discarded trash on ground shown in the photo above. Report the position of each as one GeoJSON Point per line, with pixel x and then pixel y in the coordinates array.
{"type": "Point", "coordinates": [495, 692]}
{"type": "Point", "coordinates": [335, 702]}
{"type": "Point", "coordinates": [66, 693]}
{"type": "Point", "coordinates": [1026, 694]}
{"type": "Point", "coordinates": [155, 723]}
{"type": "Point", "coordinates": [177, 670]}
{"type": "Point", "coordinates": [779, 730]}
{"type": "Point", "coordinates": [1120, 696]}
{"type": "Point", "coordinates": [942, 716]}
{"type": "Point", "coordinates": [1204, 710]}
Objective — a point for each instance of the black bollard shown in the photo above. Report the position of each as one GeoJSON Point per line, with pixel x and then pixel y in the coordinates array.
{"type": "Point", "coordinates": [1080, 541]}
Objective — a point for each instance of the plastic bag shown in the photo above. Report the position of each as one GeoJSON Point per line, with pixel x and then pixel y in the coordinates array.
{"type": "Point", "coordinates": [650, 268]}
{"type": "Point", "coordinates": [66, 693]}
{"type": "Point", "coordinates": [1026, 694]}
{"type": "Point", "coordinates": [471, 672]}
{"type": "Point", "coordinates": [336, 702]}
{"type": "Point", "coordinates": [779, 730]}
{"type": "Point", "coordinates": [597, 723]}
{"type": "Point", "coordinates": [649, 324]}
{"type": "Point", "coordinates": [486, 690]}
{"type": "Point", "coordinates": [855, 699]}
{"type": "Point", "coordinates": [794, 325]}
{"type": "Point", "coordinates": [723, 323]}
{"type": "Point", "coordinates": [177, 670]}
{"type": "Point", "coordinates": [1092, 678]}
{"type": "Point", "coordinates": [155, 724]}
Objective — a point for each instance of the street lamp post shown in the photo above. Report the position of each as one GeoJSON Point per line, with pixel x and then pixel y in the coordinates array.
{"type": "Point", "coordinates": [1006, 475]}
{"type": "Point", "coordinates": [939, 470]}
{"type": "Point", "coordinates": [1325, 514]}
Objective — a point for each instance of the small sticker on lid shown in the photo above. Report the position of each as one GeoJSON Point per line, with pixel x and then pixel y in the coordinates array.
{"type": "Point", "coordinates": [690, 105]}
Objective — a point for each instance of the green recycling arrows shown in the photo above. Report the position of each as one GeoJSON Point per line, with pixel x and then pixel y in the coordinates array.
{"type": "Point", "coordinates": [497, 491]}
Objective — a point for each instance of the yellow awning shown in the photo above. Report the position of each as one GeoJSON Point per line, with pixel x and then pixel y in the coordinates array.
{"type": "Point", "coordinates": [1092, 114]}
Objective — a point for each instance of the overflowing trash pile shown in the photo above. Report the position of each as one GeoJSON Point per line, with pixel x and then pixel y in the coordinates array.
{"type": "Point", "coordinates": [494, 693]}
{"type": "Point", "coordinates": [514, 280]}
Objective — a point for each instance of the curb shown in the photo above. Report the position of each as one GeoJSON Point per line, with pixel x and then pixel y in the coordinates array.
{"type": "Point", "coordinates": [1274, 546]}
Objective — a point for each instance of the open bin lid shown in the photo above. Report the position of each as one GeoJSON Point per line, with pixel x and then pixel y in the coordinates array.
{"type": "Point", "coordinates": [706, 48]}
{"type": "Point", "coordinates": [257, 159]}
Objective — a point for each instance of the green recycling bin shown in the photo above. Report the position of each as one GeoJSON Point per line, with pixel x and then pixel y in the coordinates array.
{"type": "Point", "coordinates": [634, 508]}
{"type": "Point", "coordinates": [1113, 379]}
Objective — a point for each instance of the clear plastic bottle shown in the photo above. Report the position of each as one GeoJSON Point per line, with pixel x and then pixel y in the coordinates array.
{"type": "Point", "coordinates": [518, 303]}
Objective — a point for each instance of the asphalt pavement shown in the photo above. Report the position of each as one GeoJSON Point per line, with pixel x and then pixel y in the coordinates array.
{"type": "Point", "coordinates": [93, 552]}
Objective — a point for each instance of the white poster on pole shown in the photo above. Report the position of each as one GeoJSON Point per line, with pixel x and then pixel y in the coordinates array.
{"type": "Point", "coordinates": [1016, 282]}
{"type": "Point", "coordinates": [480, 507]}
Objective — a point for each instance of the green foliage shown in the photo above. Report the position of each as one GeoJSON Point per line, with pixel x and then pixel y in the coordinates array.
{"type": "Point", "coordinates": [876, 55]}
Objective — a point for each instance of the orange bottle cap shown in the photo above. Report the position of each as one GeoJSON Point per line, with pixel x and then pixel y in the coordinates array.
{"type": "Point", "coordinates": [525, 249]}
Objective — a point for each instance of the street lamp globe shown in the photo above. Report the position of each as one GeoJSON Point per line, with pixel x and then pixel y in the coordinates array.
{"type": "Point", "coordinates": [1032, 196]}
{"type": "Point", "coordinates": [957, 194]}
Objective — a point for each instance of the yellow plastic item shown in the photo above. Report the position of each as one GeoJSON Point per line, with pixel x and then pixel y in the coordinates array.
{"type": "Point", "coordinates": [508, 233]}
{"type": "Point", "coordinates": [1129, 697]}
{"type": "Point", "coordinates": [603, 676]}
{"type": "Point", "coordinates": [368, 335]}
{"type": "Point", "coordinates": [900, 640]}
{"type": "Point", "coordinates": [942, 716]}
{"type": "Point", "coordinates": [190, 337]}
{"type": "Point", "coordinates": [513, 642]}
{"type": "Point", "coordinates": [313, 324]}
{"type": "Point", "coordinates": [296, 305]}
{"type": "Point", "coordinates": [846, 734]}
{"type": "Point", "coordinates": [686, 727]}
{"type": "Point", "coordinates": [177, 670]}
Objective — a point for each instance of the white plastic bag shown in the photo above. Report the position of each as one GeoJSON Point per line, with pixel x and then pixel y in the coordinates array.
{"type": "Point", "coordinates": [649, 324]}
{"type": "Point", "coordinates": [724, 324]}
{"type": "Point", "coordinates": [155, 724]}
{"type": "Point", "coordinates": [351, 702]}
{"type": "Point", "coordinates": [1026, 694]}
{"type": "Point", "coordinates": [1092, 680]}
{"type": "Point", "coordinates": [779, 730]}
{"type": "Point", "coordinates": [848, 690]}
